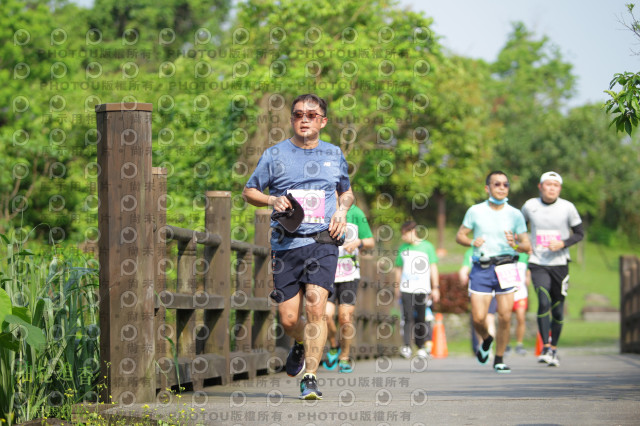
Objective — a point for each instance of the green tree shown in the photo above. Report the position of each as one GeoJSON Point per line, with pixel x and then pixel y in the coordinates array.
{"type": "Point", "coordinates": [532, 82]}
{"type": "Point", "coordinates": [625, 101]}
{"type": "Point", "coordinates": [464, 125]}
{"type": "Point", "coordinates": [602, 170]}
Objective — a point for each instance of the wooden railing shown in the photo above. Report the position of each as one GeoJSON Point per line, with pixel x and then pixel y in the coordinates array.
{"type": "Point", "coordinates": [629, 304]}
{"type": "Point", "coordinates": [169, 321]}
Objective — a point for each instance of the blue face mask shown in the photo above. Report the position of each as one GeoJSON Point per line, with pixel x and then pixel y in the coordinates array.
{"type": "Point", "coordinates": [498, 202]}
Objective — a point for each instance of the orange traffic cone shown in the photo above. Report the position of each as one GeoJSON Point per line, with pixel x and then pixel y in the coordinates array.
{"type": "Point", "coordinates": [439, 339]}
{"type": "Point", "coordinates": [539, 345]}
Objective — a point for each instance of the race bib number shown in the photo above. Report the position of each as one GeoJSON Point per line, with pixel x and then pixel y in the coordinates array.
{"type": "Point", "coordinates": [544, 237]}
{"type": "Point", "coordinates": [508, 275]}
{"type": "Point", "coordinates": [346, 268]}
{"type": "Point", "coordinates": [312, 202]}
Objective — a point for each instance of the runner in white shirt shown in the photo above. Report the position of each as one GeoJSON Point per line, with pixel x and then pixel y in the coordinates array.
{"type": "Point", "coordinates": [555, 226]}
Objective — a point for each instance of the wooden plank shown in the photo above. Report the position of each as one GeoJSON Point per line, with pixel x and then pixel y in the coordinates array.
{"type": "Point", "coordinates": [243, 303]}
{"type": "Point", "coordinates": [183, 235]}
{"type": "Point", "coordinates": [172, 300]}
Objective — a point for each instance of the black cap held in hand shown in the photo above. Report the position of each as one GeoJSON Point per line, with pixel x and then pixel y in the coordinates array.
{"type": "Point", "coordinates": [290, 219]}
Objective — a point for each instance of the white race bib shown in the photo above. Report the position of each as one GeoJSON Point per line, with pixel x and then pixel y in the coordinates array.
{"type": "Point", "coordinates": [544, 237]}
{"type": "Point", "coordinates": [508, 275]}
{"type": "Point", "coordinates": [312, 202]}
{"type": "Point", "coordinates": [345, 269]}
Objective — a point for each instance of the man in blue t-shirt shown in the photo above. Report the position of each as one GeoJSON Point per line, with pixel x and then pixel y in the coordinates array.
{"type": "Point", "coordinates": [315, 173]}
{"type": "Point", "coordinates": [499, 233]}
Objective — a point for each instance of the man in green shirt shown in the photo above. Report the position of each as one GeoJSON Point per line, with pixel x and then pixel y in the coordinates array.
{"type": "Point", "coordinates": [358, 237]}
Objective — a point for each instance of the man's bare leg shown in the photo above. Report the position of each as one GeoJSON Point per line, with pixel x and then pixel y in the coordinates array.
{"type": "Point", "coordinates": [479, 309]}
{"type": "Point", "coordinates": [347, 329]}
{"type": "Point", "coordinates": [505, 306]}
{"type": "Point", "coordinates": [290, 317]}
{"type": "Point", "coordinates": [332, 330]}
{"type": "Point", "coordinates": [315, 332]}
{"type": "Point", "coordinates": [520, 328]}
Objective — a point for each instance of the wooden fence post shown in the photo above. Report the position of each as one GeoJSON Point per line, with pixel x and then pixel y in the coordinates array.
{"type": "Point", "coordinates": [185, 318]}
{"type": "Point", "coordinates": [629, 304]}
{"type": "Point", "coordinates": [218, 276]}
{"type": "Point", "coordinates": [127, 299]}
{"type": "Point", "coordinates": [263, 321]}
{"type": "Point", "coordinates": [161, 332]}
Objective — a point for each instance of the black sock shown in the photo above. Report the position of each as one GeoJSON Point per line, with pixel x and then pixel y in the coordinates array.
{"type": "Point", "coordinates": [497, 360]}
{"type": "Point", "coordinates": [486, 343]}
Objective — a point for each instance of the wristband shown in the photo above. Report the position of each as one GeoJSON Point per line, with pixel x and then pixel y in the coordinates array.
{"type": "Point", "coordinates": [361, 243]}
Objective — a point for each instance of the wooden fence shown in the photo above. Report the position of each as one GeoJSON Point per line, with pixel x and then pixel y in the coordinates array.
{"type": "Point", "coordinates": [629, 304]}
{"type": "Point", "coordinates": [213, 329]}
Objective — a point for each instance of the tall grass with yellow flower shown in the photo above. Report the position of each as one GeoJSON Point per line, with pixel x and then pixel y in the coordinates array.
{"type": "Point", "coordinates": [49, 340]}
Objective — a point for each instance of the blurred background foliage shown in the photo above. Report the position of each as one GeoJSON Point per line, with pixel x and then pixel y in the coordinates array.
{"type": "Point", "coordinates": [419, 127]}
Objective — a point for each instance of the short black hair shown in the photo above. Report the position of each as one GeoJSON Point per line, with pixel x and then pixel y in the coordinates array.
{"type": "Point", "coordinates": [409, 225]}
{"type": "Point", "coordinates": [313, 98]}
{"type": "Point", "coordinates": [495, 172]}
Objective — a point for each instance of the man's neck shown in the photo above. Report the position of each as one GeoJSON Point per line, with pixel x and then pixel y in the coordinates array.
{"type": "Point", "coordinates": [305, 143]}
{"type": "Point", "coordinates": [548, 202]}
{"type": "Point", "coordinates": [495, 206]}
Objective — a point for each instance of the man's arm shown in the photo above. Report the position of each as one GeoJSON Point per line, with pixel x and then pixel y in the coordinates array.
{"type": "Point", "coordinates": [435, 283]}
{"type": "Point", "coordinates": [338, 224]}
{"type": "Point", "coordinates": [523, 245]}
{"type": "Point", "coordinates": [360, 243]}
{"type": "Point", "coordinates": [257, 198]}
{"type": "Point", "coordinates": [462, 238]}
{"type": "Point", "coordinates": [398, 276]}
{"type": "Point", "coordinates": [576, 237]}
{"type": "Point", "coordinates": [463, 274]}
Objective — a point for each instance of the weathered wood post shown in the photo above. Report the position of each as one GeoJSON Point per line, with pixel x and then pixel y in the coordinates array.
{"type": "Point", "coordinates": [161, 331]}
{"type": "Point", "coordinates": [263, 332]}
{"type": "Point", "coordinates": [127, 299]}
{"type": "Point", "coordinates": [218, 277]}
{"type": "Point", "coordinates": [185, 318]}
{"type": "Point", "coordinates": [629, 304]}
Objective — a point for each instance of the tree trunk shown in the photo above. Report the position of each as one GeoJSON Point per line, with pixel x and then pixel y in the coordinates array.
{"type": "Point", "coordinates": [442, 218]}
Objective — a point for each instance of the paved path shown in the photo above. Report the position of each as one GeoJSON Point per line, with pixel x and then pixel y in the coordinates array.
{"type": "Point", "coordinates": [586, 390]}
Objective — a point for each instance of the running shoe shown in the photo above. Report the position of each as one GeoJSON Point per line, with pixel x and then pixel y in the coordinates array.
{"type": "Point", "coordinates": [507, 351]}
{"type": "Point", "coordinates": [520, 350]}
{"type": "Point", "coordinates": [429, 347]}
{"type": "Point", "coordinates": [482, 355]}
{"type": "Point", "coordinates": [422, 353]}
{"type": "Point", "coordinates": [545, 356]}
{"type": "Point", "coordinates": [405, 351]}
{"type": "Point", "coordinates": [502, 368]}
{"type": "Point", "coordinates": [309, 387]}
{"type": "Point", "coordinates": [344, 366]}
{"type": "Point", "coordinates": [295, 360]}
{"type": "Point", "coordinates": [554, 361]}
{"type": "Point", "coordinates": [332, 359]}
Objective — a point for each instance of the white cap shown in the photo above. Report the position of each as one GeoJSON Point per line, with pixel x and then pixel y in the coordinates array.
{"type": "Point", "coordinates": [551, 176]}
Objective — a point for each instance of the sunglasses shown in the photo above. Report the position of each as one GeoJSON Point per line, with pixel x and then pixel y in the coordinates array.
{"type": "Point", "coordinates": [499, 184]}
{"type": "Point", "coordinates": [310, 115]}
